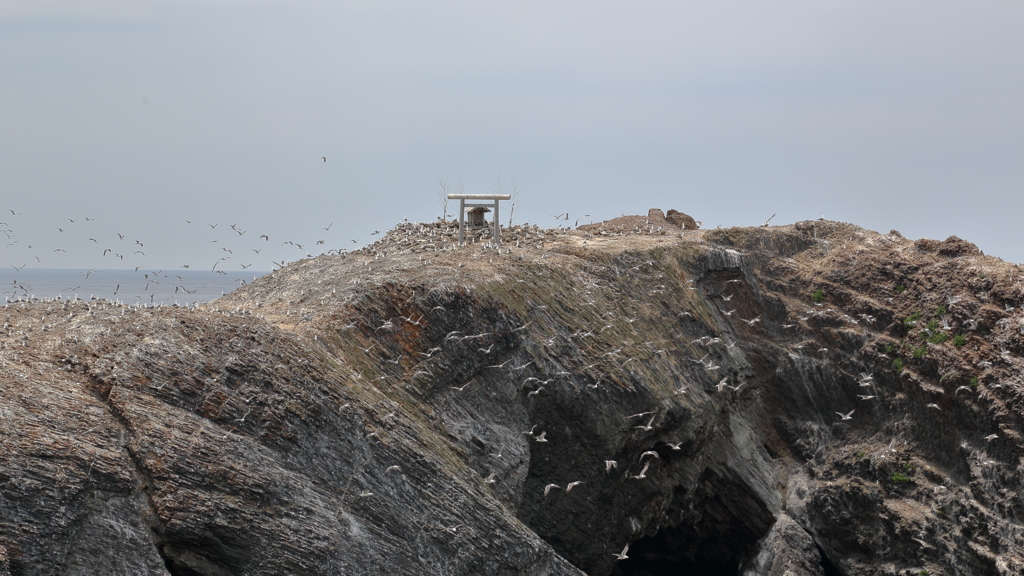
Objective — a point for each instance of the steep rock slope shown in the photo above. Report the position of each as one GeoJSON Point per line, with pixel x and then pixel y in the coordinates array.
{"type": "Point", "coordinates": [794, 399]}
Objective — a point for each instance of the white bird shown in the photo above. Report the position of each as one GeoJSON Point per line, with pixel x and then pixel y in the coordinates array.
{"type": "Point", "coordinates": [609, 464]}
{"type": "Point", "coordinates": [549, 487]}
{"type": "Point", "coordinates": [643, 473]}
{"type": "Point", "coordinates": [675, 446]}
{"type": "Point", "coordinates": [394, 468]}
{"type": "Point", "coordinates": [639, 414]}
{"type": "Point", "coordinates": [722, 383]}
{"type": "Point", "coordinates": [647, 427]}
{"type": "Point", "coordinates": [621, 555]}
{"type": "Point", "coordinates": [650, 453]}
{"type": "Point", "coordinates": [936, 406]}
{"type": "Point", "coordinates": [866, 397]}
{"type": "Point", "coordinates": [572, 485]}
{"type": "Point", "coordinates": [490, 479]}
{"type": "Point", "coordinates": [991, 437]}
{"type": "Point", "coordinates": [541, 437]}
{"type": "Point", "coordinates": [847, 416]}
{"type": "Point", "coordinates": [892, 446]}
{"type": "Point", "coordinates": [961, 388]}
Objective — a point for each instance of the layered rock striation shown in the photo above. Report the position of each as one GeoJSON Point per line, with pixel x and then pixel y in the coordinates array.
{"type": "Point", "coordinates": [804, 399]}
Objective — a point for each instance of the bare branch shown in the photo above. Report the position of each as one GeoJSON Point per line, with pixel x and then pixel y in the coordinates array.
{"type": "Point", "coordinates": [442, 195]}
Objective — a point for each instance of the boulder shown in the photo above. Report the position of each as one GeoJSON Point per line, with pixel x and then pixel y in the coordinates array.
{"type": "Point", "coordinates": [684, 221]}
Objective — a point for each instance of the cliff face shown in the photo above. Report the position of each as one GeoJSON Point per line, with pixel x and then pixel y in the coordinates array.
{"type": "Point", "coordinates": [806, 399]}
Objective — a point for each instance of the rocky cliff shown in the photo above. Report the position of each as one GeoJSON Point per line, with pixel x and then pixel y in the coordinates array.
{"type": "Point", "coordinates": [788, 400]}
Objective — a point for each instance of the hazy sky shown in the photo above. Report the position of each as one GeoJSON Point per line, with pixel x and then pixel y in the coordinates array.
{"type": "Point", "coordinates": [143, 115]}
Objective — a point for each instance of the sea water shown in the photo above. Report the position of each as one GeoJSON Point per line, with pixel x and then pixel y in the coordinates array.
{"type": "Point", "coordinates": [149, 287]}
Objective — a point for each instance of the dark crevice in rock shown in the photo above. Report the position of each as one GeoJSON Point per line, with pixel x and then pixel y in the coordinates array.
{"type": "Point", "coordinates": [176, 569]}
{"type": "Point", "coordinates": [152, 518]}
{"type": "Point", "coordinates": [828, 568]}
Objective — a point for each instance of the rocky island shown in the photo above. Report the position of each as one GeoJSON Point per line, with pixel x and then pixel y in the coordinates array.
{"type": "Point", "coordinates": [636, 397]}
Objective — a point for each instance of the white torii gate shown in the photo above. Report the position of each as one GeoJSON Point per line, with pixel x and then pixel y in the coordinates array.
{"type": "Point", "coordinates": [462, 212]}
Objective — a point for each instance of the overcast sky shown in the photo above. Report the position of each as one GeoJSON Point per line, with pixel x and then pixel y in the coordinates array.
{"type": "Point", "coordinates": [899, 115]}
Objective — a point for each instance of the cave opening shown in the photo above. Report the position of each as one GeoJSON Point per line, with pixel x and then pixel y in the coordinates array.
{"type": "Point", "coordinates": [715, 528]}
{"type": "Point", "coordinates": [691, 550]}
{"type": "Point", "coordinates": [647, 559]}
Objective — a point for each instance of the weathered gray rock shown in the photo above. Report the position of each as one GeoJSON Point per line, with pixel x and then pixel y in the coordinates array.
{"type": "Point", "coordinates": [394, 414]}
{"type": "Point", "coordinates": [787, 550]}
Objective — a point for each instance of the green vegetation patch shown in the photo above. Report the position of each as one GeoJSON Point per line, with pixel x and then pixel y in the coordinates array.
{"type": "Point", "coordinates": [938, 338]}
{"type": "Point", "coordinates": [819, 295]}
{"type": "Point", "coordinates": [959, 340]}
{"type": "Point", "coordinates": [920, 352]}
{"type": "Point", "coordinates": [898, 478]}
{"type": "Point", "coordinates": [897, 365]}
{"type": "Point", "coordinates": [912, 319]}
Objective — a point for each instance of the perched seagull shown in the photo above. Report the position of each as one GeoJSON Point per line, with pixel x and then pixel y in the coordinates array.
{"type": "Point", "coordinates": [490, 479]}
{"type": "Point", "coordinates": [549, 487]}
{"type": "Point", "coordinates": [621, 555]}
{"type": "Point", "coordinates": [847, 416]}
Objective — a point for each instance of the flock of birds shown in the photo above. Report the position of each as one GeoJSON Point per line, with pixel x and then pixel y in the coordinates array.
{"type": "Point", "coordinates": [231, 249]}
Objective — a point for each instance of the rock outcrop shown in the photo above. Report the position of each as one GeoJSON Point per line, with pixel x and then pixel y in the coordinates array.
{"type": "Point", "coordinates": [806, 399]}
